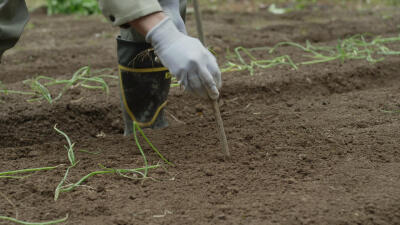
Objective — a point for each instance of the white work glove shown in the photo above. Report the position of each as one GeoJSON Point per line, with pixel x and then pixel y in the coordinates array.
{"type": "Point", "coordinates": [171, 8]}
{"type": "Point", "coordinates": [187, 59]}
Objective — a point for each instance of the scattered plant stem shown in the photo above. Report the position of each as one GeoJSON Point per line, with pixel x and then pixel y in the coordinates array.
{"type": "Point", "coordinates": [8, 173]}
{"type": "Point", "coordinates": [33, 223]}
{"type": "Point", "coordinates": [70, 147]}
{"type": "Point", "coordinates": [355, 47]}
{"type": "Point", "coordinates": [14, 177]}
{"type": "Point", "coordinates": [82, 77]}
{"type": "Point", "coordinates": [39, 89]}
{"type": "Point", "coordinates": [71, 158]}
{"type": "Point", "coordinates": [390, 111]}
{"type": "Point", "coordinates": [136, 126]}
{"type": "Point", "coordinates": [16, 92]}
{"type": "Point", "coordinates": [70, 187]}
{"type": "Point", "coordinates": [16, 220]}
{"type": "Point", "coordinates": [79, 78]}
{"type": "Point", "coordinates": [174, 117]}
{"type": "Point", "coordinates": [254, 62]}
{"type": "Point", "coordinates": [11, 203]}
{"type": "Point", "coordinates": [3, 89]}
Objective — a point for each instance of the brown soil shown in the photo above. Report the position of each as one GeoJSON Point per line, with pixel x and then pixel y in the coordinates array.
{"type": "Point", "coordinates": [311, 146]}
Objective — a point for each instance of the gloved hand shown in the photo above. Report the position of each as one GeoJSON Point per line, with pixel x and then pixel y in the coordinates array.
{"type": "Point", "coordinates": [186, 58]}
{"type": "Point", "coordinates": [171, 8]}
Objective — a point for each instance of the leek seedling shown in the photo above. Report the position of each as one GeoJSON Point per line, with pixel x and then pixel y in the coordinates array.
{"type": "Point", "coordinates": [14, 220]}
{"type": "Point", "coordinates": [254, 63]}
{"type": "Point", "coordinates": [10, 174]}
{"type": "Point", "coordinates": [71, 158]}
{"type": "Point", "coordinates": [136, 126]}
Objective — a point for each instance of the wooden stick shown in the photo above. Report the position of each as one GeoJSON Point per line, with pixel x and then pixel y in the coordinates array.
{"type": "Point", "coordinates": [217, 113]}
{"type": "Point", "coordinates": [222, 135]}
{"type": "Point", "coordinates": [199, 24]}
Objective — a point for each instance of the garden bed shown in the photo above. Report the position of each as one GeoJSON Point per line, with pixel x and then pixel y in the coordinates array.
{"type": "Point", "coordinates": [316, 145]}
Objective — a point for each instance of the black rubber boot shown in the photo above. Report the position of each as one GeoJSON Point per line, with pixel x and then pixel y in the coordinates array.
{"type": "Point", "coordinates": [144, 85]}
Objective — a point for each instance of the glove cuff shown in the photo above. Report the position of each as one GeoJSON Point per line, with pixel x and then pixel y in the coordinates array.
{"type": "Point", "coordinates": [163, 34]}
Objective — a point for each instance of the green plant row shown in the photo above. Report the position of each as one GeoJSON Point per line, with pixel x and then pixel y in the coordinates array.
{"type": "Point", "coordinates": [355, 47]}
{"type": "Point", "coordinates": [83, 77]}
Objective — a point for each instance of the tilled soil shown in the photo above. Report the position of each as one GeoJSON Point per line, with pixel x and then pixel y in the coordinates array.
{"type": "Point", "coordinates": [309, 146]}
